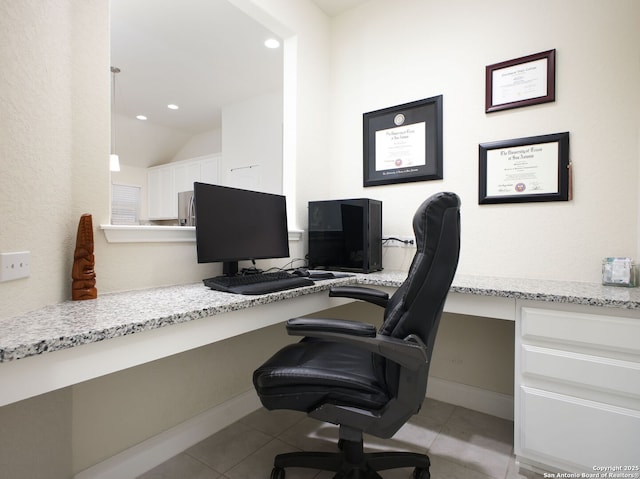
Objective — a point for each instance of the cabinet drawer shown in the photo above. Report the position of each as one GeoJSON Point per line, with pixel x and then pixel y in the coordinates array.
{"type": "Point", "coordinates": [595, 372]}
{"type": "Point", "coordinates": [595, 331]}
{"type": "Point", "coordinates": [576, 431]}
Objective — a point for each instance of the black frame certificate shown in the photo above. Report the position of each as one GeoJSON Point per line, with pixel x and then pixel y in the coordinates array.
{"type": "Point", "coordinates": [403, 143]}
{"type": "Point", "coordinates": [528, 169]}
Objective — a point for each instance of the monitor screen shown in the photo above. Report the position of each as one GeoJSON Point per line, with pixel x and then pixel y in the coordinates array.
{"type": "Point", "coordinates": [234, 224]}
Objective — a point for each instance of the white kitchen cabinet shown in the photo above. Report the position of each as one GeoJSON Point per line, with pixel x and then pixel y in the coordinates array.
{"type": "Point", "coordinates": [185, 173]}
{"type": "Point", "coordinates": [577, 387]}
{"type": "Point", "coordinates": [166, 181]}
{"type": "Point", "coordinates": [161, 185]}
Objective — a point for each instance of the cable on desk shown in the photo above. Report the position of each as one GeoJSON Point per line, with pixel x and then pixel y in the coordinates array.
{"type": "Point", "coordinates": [393, 238]}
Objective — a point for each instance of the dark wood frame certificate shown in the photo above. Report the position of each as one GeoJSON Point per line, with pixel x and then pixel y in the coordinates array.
{"type": "Point", "coordinates": [525, 170]}
{"type": "Point", "coordinates": [521, 82]}
{"type": "Point", "coordinates": [403, 143]}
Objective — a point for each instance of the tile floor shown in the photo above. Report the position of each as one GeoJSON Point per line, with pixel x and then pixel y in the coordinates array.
{"type": "Point", "coordinates": [461, 444]}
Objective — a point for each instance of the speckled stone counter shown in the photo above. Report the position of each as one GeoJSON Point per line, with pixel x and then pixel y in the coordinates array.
{"type": "Point", "coordinates": [71, 324]}
{"type": "Point", "coordinates": [590, 294]}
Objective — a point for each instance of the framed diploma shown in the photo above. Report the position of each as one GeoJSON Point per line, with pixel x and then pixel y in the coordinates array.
{"type": "Point", "coordinates": [403, 143]}
{"type": "Point", "coordinates": [521, 82]}
{"type": "Point", "coordinates": [522, 170]}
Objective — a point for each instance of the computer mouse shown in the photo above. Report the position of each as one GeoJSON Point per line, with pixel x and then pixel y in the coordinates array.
{"type": "Point", "coordinates": [301, 272]}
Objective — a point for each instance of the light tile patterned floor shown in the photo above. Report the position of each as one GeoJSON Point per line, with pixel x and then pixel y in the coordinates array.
{"type": "Point", "coordinates": [461, 444]}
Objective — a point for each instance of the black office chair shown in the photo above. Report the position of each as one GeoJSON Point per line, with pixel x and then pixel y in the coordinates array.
{"type": "Point", "coordinates": [344, 372]}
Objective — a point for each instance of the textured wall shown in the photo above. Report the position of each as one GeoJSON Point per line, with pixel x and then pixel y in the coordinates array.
{"type": "Point", "coordinates": [54, 129]}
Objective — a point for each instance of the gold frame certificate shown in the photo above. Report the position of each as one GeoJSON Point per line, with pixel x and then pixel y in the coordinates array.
{"type": "Point", "coordinates": [525, 169]}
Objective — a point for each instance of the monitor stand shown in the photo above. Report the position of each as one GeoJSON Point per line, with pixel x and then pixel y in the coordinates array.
{"type": "Point", "coordinates": [230, 268]}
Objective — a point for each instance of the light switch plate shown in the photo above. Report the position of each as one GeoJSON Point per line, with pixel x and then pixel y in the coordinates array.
{"type": "Point", "coordinates": [15, 265]}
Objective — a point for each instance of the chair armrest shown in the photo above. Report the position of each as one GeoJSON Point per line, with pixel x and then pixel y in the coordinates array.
{"type": "Point", "coordinates": [307, 326]}
{"type": "Point", "coordinates": [410, 352]}
{"type": "Point", "coordinates": [370, 295]}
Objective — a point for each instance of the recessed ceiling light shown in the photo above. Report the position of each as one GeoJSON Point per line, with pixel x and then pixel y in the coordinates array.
{"type": "Point", "coordinates": [141, 117]}
{"type": "Point", "coordinates": [271, 43]}
{"type": "Point", "coordinates": [171, 106]}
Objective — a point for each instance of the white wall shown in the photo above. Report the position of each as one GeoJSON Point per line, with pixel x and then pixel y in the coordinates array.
{"type": "Point", "coordinates": [252, 143]}
{"type": "Point", "coordinates": [202, 144]}
{"type": "Point", "coordinates": [389, 52]}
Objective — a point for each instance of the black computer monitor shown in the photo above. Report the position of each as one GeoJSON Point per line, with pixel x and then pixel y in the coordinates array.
{"type": "Point", "coordinates": [234, 224]}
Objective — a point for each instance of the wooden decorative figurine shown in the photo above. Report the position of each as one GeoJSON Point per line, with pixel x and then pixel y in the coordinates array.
{"type": "Point", "coordinates": [83, 274]}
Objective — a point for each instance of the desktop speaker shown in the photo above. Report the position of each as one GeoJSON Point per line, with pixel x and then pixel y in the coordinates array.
{"type": "Point", "coordinates": [345, 235]}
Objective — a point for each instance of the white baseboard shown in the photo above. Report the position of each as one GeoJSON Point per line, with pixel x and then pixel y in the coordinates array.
{"type": "Point", "coordinates": [138, 459]}
{"type": "Point", "coordinates": [142, 457]}
{"type": "Point", "coordinates": [471, 397]}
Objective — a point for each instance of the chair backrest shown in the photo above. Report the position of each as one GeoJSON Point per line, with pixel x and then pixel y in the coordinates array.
{"type": "Point", "coordinates": [416, 307]}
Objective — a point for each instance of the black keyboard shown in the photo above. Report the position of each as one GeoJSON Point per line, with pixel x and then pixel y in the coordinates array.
{"type": "Point", "coordinates": [257, 283]}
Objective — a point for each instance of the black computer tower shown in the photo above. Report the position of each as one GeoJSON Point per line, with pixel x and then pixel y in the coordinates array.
{"type": "Point", "coordinates": [346, 235]}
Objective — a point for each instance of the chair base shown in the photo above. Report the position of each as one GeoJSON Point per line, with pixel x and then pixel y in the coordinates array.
{"type": "Point", "coordinates": [351, 462]}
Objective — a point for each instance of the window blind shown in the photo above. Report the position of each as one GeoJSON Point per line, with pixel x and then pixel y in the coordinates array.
{"type": "Point", "coordinates": [125, 204]}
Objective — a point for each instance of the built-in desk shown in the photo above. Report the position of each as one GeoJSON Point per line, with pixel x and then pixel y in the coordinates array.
{"type": "Point", "coordinates": [64, 344]}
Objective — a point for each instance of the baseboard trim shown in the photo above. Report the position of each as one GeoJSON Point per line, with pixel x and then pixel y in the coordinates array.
{"type": "Point", "coordinates": [139, 459]}
{"type": "Point", "coordinates": [156, 450]}
{"type": "Point", "coordinates": [471, 397]}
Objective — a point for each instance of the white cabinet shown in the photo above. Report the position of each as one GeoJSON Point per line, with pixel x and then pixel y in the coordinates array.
{"type": "Point", "coordinates": [166, 181]}
{"type": "Point", "coordinates": [160, 181]}
{"type": "Point", "coordinates": [184, 176]}
{"type": "Point", "coordinates": [577, 397]}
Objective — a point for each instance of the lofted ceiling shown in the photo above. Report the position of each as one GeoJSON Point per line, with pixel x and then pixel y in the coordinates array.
{"type": "Point", "coordinates": [336, 7]}
{"type": "Point", "coordinates": [198, 54]}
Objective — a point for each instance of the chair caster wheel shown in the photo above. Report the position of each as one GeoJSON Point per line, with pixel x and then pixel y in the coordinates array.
{"type": "Point", "coordinates": [420, 473]}
{"type": "Point", "coordinates": [277, 473]}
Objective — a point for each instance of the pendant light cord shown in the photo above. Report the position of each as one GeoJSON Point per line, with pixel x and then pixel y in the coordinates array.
{"type": "Point", "coordinates": [114, 70]}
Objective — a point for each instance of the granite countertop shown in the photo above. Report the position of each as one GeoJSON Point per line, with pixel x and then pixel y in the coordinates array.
{"type": "Point", "coordinates": [590, 294]}
{"type": "Point", "coordinates": [73, 323]}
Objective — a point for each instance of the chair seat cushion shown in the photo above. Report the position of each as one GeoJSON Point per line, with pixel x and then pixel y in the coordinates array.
{"type": "Point", "coordinates": [304, 375]}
